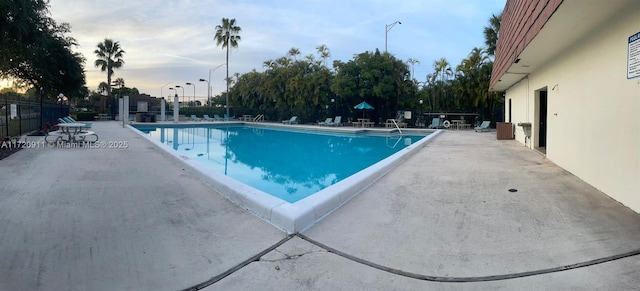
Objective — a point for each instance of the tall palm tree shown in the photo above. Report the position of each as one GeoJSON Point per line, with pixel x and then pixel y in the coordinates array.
{"type": "Point", "coordinates": [324, 52]}
{"type": "Point", "coordinates": [293, 52]}
{"type": "Point", "coordinates": [491, 33]}
{"type": "Point", "coordinates": [412, 61]}
{"type": "Point", "coordinates": [442, 67]}
{"type": "Point", "coordinates": [227, 36]}
{"type": "Point", "coordinates": [109, 55]}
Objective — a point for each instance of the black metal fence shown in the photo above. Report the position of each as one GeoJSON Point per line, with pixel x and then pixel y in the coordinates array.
{"type": "Point", "coordinates": [19, 117]}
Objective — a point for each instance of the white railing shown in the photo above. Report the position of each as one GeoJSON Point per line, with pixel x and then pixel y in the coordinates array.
{"type": "Point", "coordinates": [396, 124]}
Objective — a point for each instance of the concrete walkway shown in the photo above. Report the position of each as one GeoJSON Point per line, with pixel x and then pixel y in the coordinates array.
{"type": "Point", "coordinates": [133, 219]}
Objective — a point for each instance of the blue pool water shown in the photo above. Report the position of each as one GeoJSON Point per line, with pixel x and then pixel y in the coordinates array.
{"type": "Point", "coordinates": [290, 165]}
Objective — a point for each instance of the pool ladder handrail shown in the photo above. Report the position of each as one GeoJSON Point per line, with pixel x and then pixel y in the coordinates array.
{"type": "Point", "coordinates": [259, 118]}
{"type": "Point", "coordinates": [396, 124]}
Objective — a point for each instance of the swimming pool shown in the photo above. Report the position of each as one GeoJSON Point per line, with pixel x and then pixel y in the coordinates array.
{"type": "Point", "coordinates": [280, 174]}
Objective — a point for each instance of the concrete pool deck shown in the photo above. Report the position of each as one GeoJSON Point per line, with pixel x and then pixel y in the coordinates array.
{"type": "Point", "coordinates": [133, 219]}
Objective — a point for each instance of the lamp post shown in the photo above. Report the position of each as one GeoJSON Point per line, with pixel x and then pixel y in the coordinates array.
{"type": "Point", "coordinates": [421, 114]}
{"type": "Point", "coordinates": [209, 82]}
{"type": "Point", "coordinates": [163, 87]}
{"type": "Point", "coordinates": [178, 86]}
{"type": "Point", "coordinates": [208, 90]}
{"type": "Point", "coordinates": [386, 30]}
{"type": "Point", "coordinates": [174, 89]}
{"type": "Point", "coordinates": [335, 107]}
{"type": "Point", "coordinates": [61, 99]}
{"type": "Point", "coordinates": [194, 92]}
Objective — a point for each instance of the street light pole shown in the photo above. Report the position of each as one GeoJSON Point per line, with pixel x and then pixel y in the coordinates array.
{"type": "Point", "coordinates": [335, 108]}
{"type": "Point", "coordinates": [421, 113]}
{"type": "Point", "coordinates": [208, 91]}
{"type": "Point", "coordinates": [178, 86]}
{"type": "Point", "coordinates": [174, 89]}
{"type": "Point", "coordinates": [194, 92]}
{"type": "Point", "coordinates": [209, 82]}
{"type": "Point", "coordinates": [163, 87]}
{"type": "Point", "coordinates": [386, 30]}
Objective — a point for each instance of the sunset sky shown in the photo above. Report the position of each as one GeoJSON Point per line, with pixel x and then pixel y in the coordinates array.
{"type": "Point", "coordinates": [170, 43]}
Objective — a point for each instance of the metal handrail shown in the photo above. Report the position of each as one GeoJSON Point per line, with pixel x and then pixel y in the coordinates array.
{"type": "Point", "coordinates": [396, 124]}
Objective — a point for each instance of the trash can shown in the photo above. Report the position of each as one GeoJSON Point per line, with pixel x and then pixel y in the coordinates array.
{"type": "Point", "coordinates": [504, 130]}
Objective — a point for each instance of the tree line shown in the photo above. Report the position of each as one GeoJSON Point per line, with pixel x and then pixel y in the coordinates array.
{"type": "Point", "coordinates": [308, 88]}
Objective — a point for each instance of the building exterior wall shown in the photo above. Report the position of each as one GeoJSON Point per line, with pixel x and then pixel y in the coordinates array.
{"type": "Point", "coordinates": [593, 120]}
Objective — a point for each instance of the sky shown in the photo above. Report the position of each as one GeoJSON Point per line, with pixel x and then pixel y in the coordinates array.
{"type": "Point", "coordinates": [170, 43]}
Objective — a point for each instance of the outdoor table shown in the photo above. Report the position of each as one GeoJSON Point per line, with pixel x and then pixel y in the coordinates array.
{"type": "Point", "coordinates": [460, 124]}
{"type": "Point", "coordinates": [247, 117]}
{"type": "Point", "coordinates": [71, 129]}
{"type": "Point", "coordinates": [455, 124]}
{"type": "Point", "coordinates": [390, 123]}
{"type": "Point", "coordinates": [364, 122]}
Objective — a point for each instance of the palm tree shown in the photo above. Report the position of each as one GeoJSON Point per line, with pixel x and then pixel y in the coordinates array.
{"type": "Point", "coordinates": [476, 58]}
{"type": "Point", "coordinates": [119, 82]}
{"type": "Point", "coordinates": [293, 52]}
{"type": "Point", "coordinates": [412, 61]}
{"type": "Point", "coordinates": [109, 55]}
{"type": "Point", "coordinates": [442, 67]}
{"type": "Point", "coordinates": [227, 36]}
{"type": "Point", "coordinates": [491, 33]}
{"type": "Point", "coordinates": [324, 52]}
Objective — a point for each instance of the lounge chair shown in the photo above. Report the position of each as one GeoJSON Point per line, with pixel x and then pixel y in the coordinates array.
{"type": "Point", "coordinates": [195, 118]}
{"type": "Point", "coordinates": [69, 119]}
{"type": "Point", "coordinates": [217, 117]}
{"type": "Point", "coordinates": [294, 119]}
{"type": "Point", "coordinates": [484, 126]}
{"type": "Point", "coordinates": [337, 121]}
{"type": "Point", "coordinates": [207, 118]}
{"type": "Point", "coordinates": [435, 123]}
{"type": "Point", "coordinates": [227, 117]}
{"type": "Point", "coordinates": [326, 121]}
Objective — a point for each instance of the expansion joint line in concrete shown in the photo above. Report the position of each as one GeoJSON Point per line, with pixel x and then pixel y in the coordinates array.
{"type": "Point", "coordinates": [239, 266]}
{"type": "Point", "coordinates": [329, 249]}
{"type": "Point", "coordinates": [468, 279]}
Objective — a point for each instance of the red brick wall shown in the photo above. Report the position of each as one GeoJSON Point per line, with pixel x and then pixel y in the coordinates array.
{"type": "Point", "coordinates": [521, 22]}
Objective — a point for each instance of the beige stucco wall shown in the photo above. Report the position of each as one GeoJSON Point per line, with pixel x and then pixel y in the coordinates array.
{"type": "Point", "coordinates": [593, 118]}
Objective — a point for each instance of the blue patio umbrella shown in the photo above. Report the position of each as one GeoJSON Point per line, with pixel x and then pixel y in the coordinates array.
{"type": "Point", "coordinates": [363, 105]}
